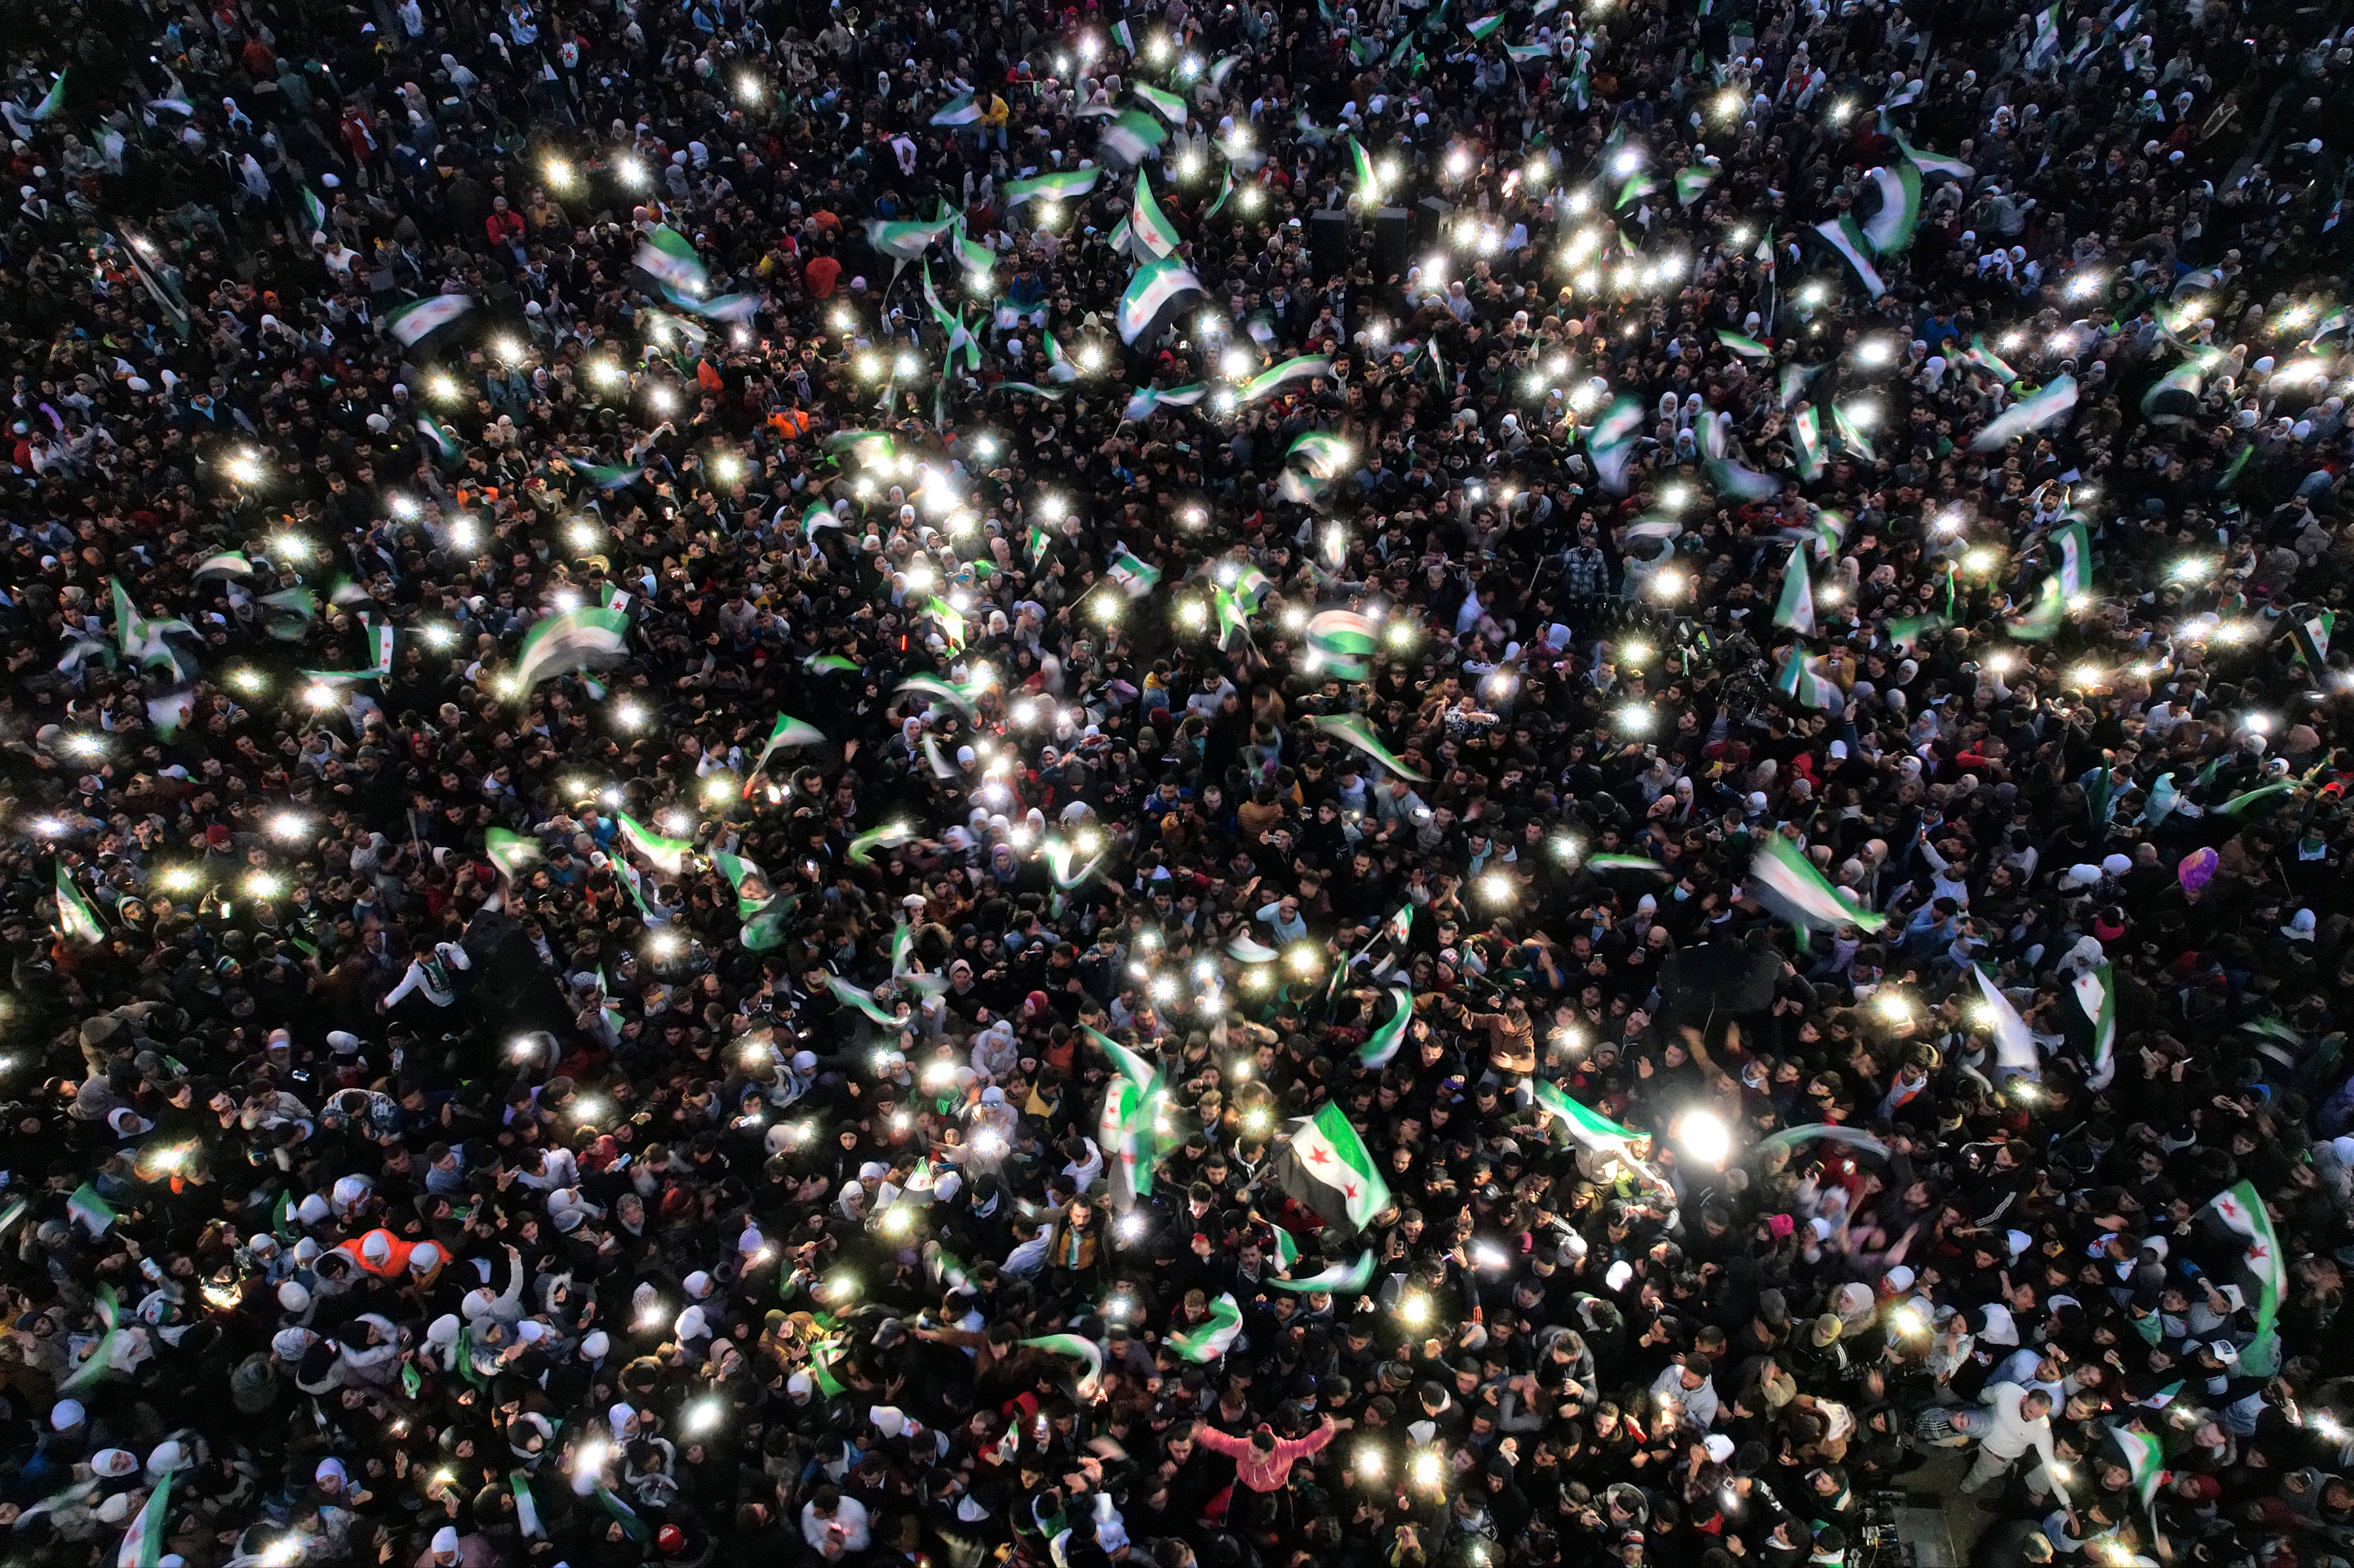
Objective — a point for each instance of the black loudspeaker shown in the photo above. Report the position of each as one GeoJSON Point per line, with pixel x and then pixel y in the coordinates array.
{"type": "Point", "coordinates": [1329, 242]}
{"type": "Point", "coordinates": [1430, 214]}
{"type": "Point", "coordinates": [1392, 242]}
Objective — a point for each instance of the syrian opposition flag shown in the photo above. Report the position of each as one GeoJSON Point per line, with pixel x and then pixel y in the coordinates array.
{"type": "Point", "coordinates": [1214, 1337]}
{"type": "Point", "coordinates": [2042, 618]}
{"type": "Point", "coordinates": [510, 851]}
{"type": "Point", "coordinates": [786, 732]}
{"type": "Point", "coordinates": [1984, 358]}
{"type": "Point", "coordinates": [1326, 1167]}
{"type": "Point", "coordinates": [1588, 1125]}
{"type": "Point", "coordinates": [1353, 730]}
{"type": "Point", "coordinates": [1127, 1134]}
{"type": "Point", "coordinates": [2048, 406]}
{"type": "Point", "coordinates": [1343, 643]}
{"type": "Point", "coordinates": [1852, 432]}
{"type": "Point", "coordinates": [1783, 879]}
{"type": "Point", "coordinates": [1854, 1138]}
{"type": "Point", "coordinates": [1612, 441]}
{"type": "Point", "coordinates": [89, 1211]}
{"type": "Point", "coordinates": [1135, 579]}
{"type": "Point", "coordinates": [1132, 1065]}
{"type": "Point", "coordinates": [2097, 993]}
{"type": "Point", "coordinates": [665, 852]}
{"type": "Point", "coordinates": [411, 324]}
{"type": "Point", "coordinates": [1060, 184]}
{"type": "Point", "coordinates": [1168, 105]}
{"type": "Point", "coordinates": [1081, 1348]}
{"type": "Point", "coordinates": [1147, 226]}
{"type": "Point", "coordinates": [78, 919]}
{"type": "Point", "coordinates": [1157, 286]}
{"type": "Point", "coordinates": [227, 564]}
{"type": "Point", "coordinates": [2242, 1210]}
{"type": "Point", "coordinates": [1934, 162]}
{"type": "Point", "coordinates": [668, 257]}
{"type": "Point", "coordinates": [2014, 1046]}
{"type": "Point", "coordinates": [591, 636]}
{"type": "Point", "coordinates": [1890, 229]}
{"type": "Point", "coordinates": [2075, 542]}
{"type": "Point", "coordinates": [2311, 636]}
{"type": "Point", "coordinates": [1145, 401]}
{"type": "Point", "coordinates": [959, 110]}
{"type": "Point", "coordinates": [1842, 236]}
{"type": "Point", "coordinates": [1339, 1280]}
{"type": "Point", "coordinates": [1132, 136]}
{"type": "Point", "coordinates": [1742, 344]}
{"type": "Point", "coordinates": [1806, 442]}
{"type": "Point", "coordinates": [862, 849]}
{"type": "Point", "coordinates": [142, 1543]}
{"type": "Point", "coordinates": [1801, 677]}
{"type": "Point", "coordinates": [2145, 1458]}
{"type": "Point", "coordinates": [1382, 1043]}
{"type": "Point", "coordinates": [1298, 367]}
{"type": "Point", "coordinates": [1796, 608]}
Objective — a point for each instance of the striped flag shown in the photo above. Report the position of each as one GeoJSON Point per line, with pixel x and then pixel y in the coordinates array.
{"type": "Point", "coordinates": [1842, 235]}
{"type": "Point", "coordinates": [227, 564]}
{"type": "Point", "coordinates": [963, 694]}
{"type": "Point", "coordinates": [1343, 642]}
{"type": "Point", "coordinates": [1484, 28]}
{"type": "Point", "coordinates": [1226, 189]}
{"type": "Point", "coordinates": [1059, 185]}
{"type": "Point", "coordinates": [1215, 1336]}
{"type": "Point", "coordinates": [2074, 543]}
{"type": "Point", "coordinates": [1934, 162]}
{"type": "Point", "coordinates": [1297, 368]}
{"type": "Point", "coordinates": [975, 256]}
{"type": "Point", "coordinates": [1145, 401]}
{"type": "Point", "coordinates": [1125, 1132]}
{"type": "Point", "coordinates": [1612, 441]}
{"type": "Point", "coordinates": [2145, 1461]}
{"type": "Point", "coordinates": [861, 1003]}
{"type": "Point", "coordinates": [2097, 993]}
{"type": "Point", "coordinates": [2262, 792]}
{"type": "Point", "coordinates": [1361, 169]}
{"type": "Point", "coordinates": [862, 848]}
{"type": "Point", "coordinates": [667, 853]}
{"type": "Point", "coordinates": [959, 110]}
{"type": "Point", "coordinates": [2042, 620]}
{"type": "Point", "coordinates": [2048, 406]}
{"type": "Point", "coordinates": [1382, 1043]}
{"type": "Point", "coordinates": [589, 637]}
{"type": "Point", "coordinates": [1146, 225]}
{"type": "Point", "coordinates": [1353, 729]}
{"type": "Point", "coordinates": [1852, 432]}
{"type": "Point", "coordinates": [2014, 1045]}
{"type": "Point", "coordinates": [411, 323]}
{"type": "Point", "coordinates": [142, 1543]}
{"type": "Point", "coordinates": [786, 732]}
{"type": "Point", "coordinates": [1156, 287]}
{"type": "Point", "coordinates": [903, 242]}
{"type": "Point", "coordinates": [1339, 1280]}
{"type": "Point", "coordinates": [1135, 579]}
{"type": "Point", "coordinates": [1327, 1168]}
{"type": "Point", "coordinates": [90, 1211]}
{"type": "Point", "coordinates": [2311, 635]}
{"type": "Point", "coordinates": [1132, 136]}
{"type": "Point", "coordinates": [1168, 105]}
{"type": "Point", "coordinates": [315, 211]}
{"type": "Point", "coordinates": [636, 1528]}
{"type": "Point", "coordinates": [668, 257]}
{"type": "Point", "coordinates": [1080, 1347]}
{"type": "Point", "coordinates": [1783, 879]}
{"type": "Point", "coordinates": [2242, 1210]}
{"type": "Point", "coordinates": [78, 919]}
{"type": "Point", "coordinates": [1742, 344]}
{"type": "Point", "coordinates": [1588, 1125]}
{"type": "Point", "coordinates": [1801, 677]}
{"type": "Point", "coordinates": [1133, 1065]}
{"type": "Point", "coordinates": [1988, 360]}
{"type": "Point", "coordinates": [1830, 1132]}
{"type": "Point", "coordinates": [51, 101]}
{"type": "Point", "coordinates": [1890, 230]}
{"type": "Point", "coordinates": [169, 712]}
{"type": "Point", "coordinates": [1245, 949]}
{"type": "Point", "coordinates": [1692, 183]}
{"type": "Point", "coordinates": [1797, 606]}
{"type": "Point", "coordinates": [1807, 440]}
{"type": "Point", "coordinates": [510, 851]}
{"type": "Point", "coordinates": [1644, 863]}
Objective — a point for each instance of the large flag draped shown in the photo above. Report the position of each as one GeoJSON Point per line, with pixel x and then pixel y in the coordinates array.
{"type": "Point", "coordinates": [1782, 878]}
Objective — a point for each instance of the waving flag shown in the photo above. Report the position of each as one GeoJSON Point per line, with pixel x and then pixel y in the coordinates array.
{"type": "Point", "coordinates": [2049, 406]}
{"type": "Point", "coordinates": [1612, 441]}
{"type": "Point", "coordinates": [1588, 1125]}
{"type": "Point", "coordinates": [1742, 344]}
{"type": "Point", "coordinates": [589, 637]}
{"type": "Point", "coordinates": [1133, 1065]}
{"type": "Point", "coordinates": [1783, 879]}
{"type": "Point", "coordinates": [1132, 136]}
{"type": "Point", "coordinates": [1128, 1134]}
{"type": "Point", "coordinates": [1326, 1167]}
{"type": "Point", "coordinates": [1353, 730]}
{"type": "Point", "coordinates": [957, 110]}
{"type": "Point", "coordinates": [2043, 619]}
{"type": "Point", "coordinates": [1134, 577]}
{"type": "Point", "coordinates": [2014, 1045]}
{"type": "Point", "coordinates": [2312, 636]}
{"type": "Point", "coordinates": [1214, 1337]}
{"type": "Point", "coordinates": [1157, 286]}
{"type": "Point", "coordinates": [1807, 440]}
{"type": "Point", "coordinates": [411, 324]}
{"type": "Point", "coordinates": [667, 853]}
{"type": "Point", "coordinates": [1245, 949]}
{"type": "Point", "coordinates": [1145, 401]}
{"type": "Point", "coordinates": [1854, 1138]}
{"type": "Point", "coordinates": [1146, 225]}
{"type": "Point", "coordinates": [668, 258]}
{"type": "Point", "coordinates": [1343, 642]}
{"type": "Point", "coordinates": [1382, 1043]}
{"type": "Point", "coordinates": [92, 1212]}
{"type": "Point", "coordinates": [1339, 1280]}
{"type": "Point", "coordinates": [1934, 162]}
{"type": "Point", "coordinates": [862, 848]}
{"type": "Point", "coordinates": [1842, 236]}
{"type": "Point", "coordinates": [1795, 609]}
{"type": "Point", "coordinates": [1061, 184]}
{"type": "Point", "coordinates": [2242, 1210]}
{"type": "Point", "coordinates": [1081, 1348]}
{"type": "Point", "coordinates": [1852, 432]}
{"type": "Point", "coordinates": [903, 242]}
{"type": "Point", "coordinates": [1890, 230]}
{"type": "Point", "coordinates": [1692, 183]}
{"type": "Point", "coordinates": [2096, 992]}
{"type": "Point", "coordinates": [78, 919]}
{"type": "Point", "coordinates": [1801, 676]}
{"type": "Point", "coordinates": [963, 694]}
{"type": "Point", "coordinates": [510, 851]}
{"type": "Point", "coordinates": [2074, 543]}
{"type": "Point", "coordinates": [142, 1543]}
{"type": "Point", "coordinates": [1168, 105]}
{"type": "Point", "coordinates": [1297, 369]}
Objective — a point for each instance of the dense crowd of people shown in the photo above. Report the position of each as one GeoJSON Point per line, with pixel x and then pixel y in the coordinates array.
{"type": "Point", "coordinates": [742, 738]}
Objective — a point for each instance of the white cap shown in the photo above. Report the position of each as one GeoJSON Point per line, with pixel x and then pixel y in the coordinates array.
{"type": "Point", "coordinates": [445, 1540]}
{"type": "Point", "coordinates": [65, 1414]}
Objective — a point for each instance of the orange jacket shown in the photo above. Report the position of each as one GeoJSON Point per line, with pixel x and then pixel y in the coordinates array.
{"type": "Point", "coordinates": [396, 1263]}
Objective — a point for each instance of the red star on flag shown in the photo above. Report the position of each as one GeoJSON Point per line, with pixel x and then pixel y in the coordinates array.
{"type": "Point", "coordinates": [2258, 1252]}
{"type": "Point", "coordinates": [1349, 1191]}
{"type": "Point", "coordinates": [1319, 1157]}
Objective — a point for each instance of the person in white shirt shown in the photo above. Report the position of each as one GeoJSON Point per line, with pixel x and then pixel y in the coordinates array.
{"type": "Point", "coordinates": [2009, 1422]}
{"type": "Point", "coordinates": [834, 1525]}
